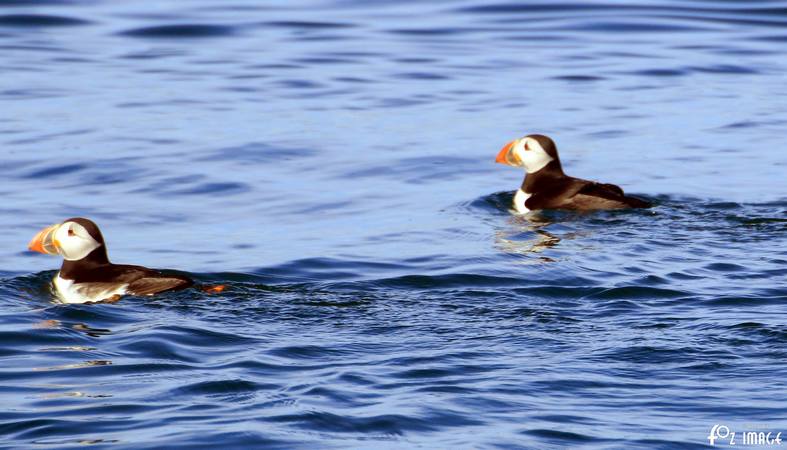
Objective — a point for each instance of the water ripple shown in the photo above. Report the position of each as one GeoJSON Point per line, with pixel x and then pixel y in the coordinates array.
{"type": "Point", "coordinates": [332, 165]}
{"type": "Point", "coordinates": [184, 31]}
{"type": "Point", "coordinates": [39, 20]}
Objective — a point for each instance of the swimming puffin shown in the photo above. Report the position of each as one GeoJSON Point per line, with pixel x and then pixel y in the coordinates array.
{"type": "Point", "coordinates": [87, 275]}
{"type": "Point", "coordinates": [547, 187]}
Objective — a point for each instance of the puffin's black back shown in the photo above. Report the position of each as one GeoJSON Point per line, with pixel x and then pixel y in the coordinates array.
{"type": "Point", "coordinates": [551, 188]}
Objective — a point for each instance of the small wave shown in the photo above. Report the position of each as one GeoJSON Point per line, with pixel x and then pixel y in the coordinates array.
{"type": "Point", "coordinates": [259, 152]}
{"type": "Point", "coordinates": [39, 20]}
{"type": "Point", "coordinates": [660, 72]}
{"type": "Point", "coordinates": [499, 202]}
{"type": "Point", "coordinates": [381, 425]}
{"type": "Point", "coordinates": [448, 281]}
{"type": "Point", "coordinates": [760, 332]}
{"type": "Point", "coordinates": [578, 78]}
{"type": "Point", "coordinates": [225, 188]}
{"type": "Point", "coordinates": [184, 31]}
{"type": "Point", "coordinates": [307, 25]}
{"type": "Point", "coordinates": [729, 69]}
{"type": "Point", "coordinates": [54, 171]}
{"type": "Point", "coordinates": [232, 390]}
{"type": "Point", "coordinates": [637, 293]}
{"type": "Point", "coordinates": [560, 437]}
{"type": "Point", "coordinates": [740, 301]}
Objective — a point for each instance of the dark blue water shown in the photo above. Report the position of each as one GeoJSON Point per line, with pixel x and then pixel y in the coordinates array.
{"type": "Point", "coordinates": [331, 162]}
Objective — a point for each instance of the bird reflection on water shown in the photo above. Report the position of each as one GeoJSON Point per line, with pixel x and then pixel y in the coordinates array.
{"type": "Point", "coordinates": [528, 234]}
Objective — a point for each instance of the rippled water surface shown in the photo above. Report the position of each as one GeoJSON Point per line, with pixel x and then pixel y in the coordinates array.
{"type": "Point", "coordinates": [332, 163]}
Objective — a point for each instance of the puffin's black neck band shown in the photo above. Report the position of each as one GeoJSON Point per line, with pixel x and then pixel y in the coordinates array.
{"type": "Point", "coordinates": [541, 180]}
{"type": "Point", "coordinates": [97, 257]}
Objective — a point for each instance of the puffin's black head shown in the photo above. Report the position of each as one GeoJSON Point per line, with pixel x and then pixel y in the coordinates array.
{"type": "Point", "coordinates": [533, 152]}
{"type": "Point", "coordinates": [75, 239]}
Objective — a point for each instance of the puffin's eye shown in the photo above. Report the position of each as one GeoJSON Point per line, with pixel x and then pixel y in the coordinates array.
{"type": "Point", "coordinates": [71, 232]}
{"type": "Point", "coordinates": [527, 146]}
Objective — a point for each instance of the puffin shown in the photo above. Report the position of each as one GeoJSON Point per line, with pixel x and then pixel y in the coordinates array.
{"type": "Point", "coordinates": [547, 187]}
{"type": "Point", "coordinates": [87, 276]}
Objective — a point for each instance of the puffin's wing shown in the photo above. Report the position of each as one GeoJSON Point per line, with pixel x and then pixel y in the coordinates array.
{"type": "Point", "coordinates": [605, 196]}
{"type": "Point", "coordinates": [154, 284]}
{"type": "Point", "coordinates": [603, 190]}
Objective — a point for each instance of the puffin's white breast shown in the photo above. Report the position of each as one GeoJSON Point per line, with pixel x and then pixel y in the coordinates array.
{"type": "Point", "coordinates": [70, 292]}
{"type": "Point", "coordinates": [519, 201]}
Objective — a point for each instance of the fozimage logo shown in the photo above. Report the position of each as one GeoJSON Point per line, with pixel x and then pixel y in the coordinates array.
{"type": "Point", "coordinates": [724, 435]}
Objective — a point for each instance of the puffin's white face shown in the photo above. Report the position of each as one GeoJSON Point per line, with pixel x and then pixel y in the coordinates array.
{"type": "Point", "coordinates": [73, 241]}
{"type": "Point", "coordinates": [68, 239]}
{"type": "Point", "coordinates": [533, 156]}
{"type": "Point", "coordinates": [525, 152]}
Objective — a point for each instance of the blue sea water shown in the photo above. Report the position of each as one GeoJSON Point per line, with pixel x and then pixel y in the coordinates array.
{"type": "Point", "coordinates": [331, 162]}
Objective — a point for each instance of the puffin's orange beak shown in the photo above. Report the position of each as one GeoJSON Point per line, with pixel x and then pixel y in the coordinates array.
{"type": "Point", "coordinates": [45, 242]}
{"type": "Point", "coordinates": [507, 157]}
